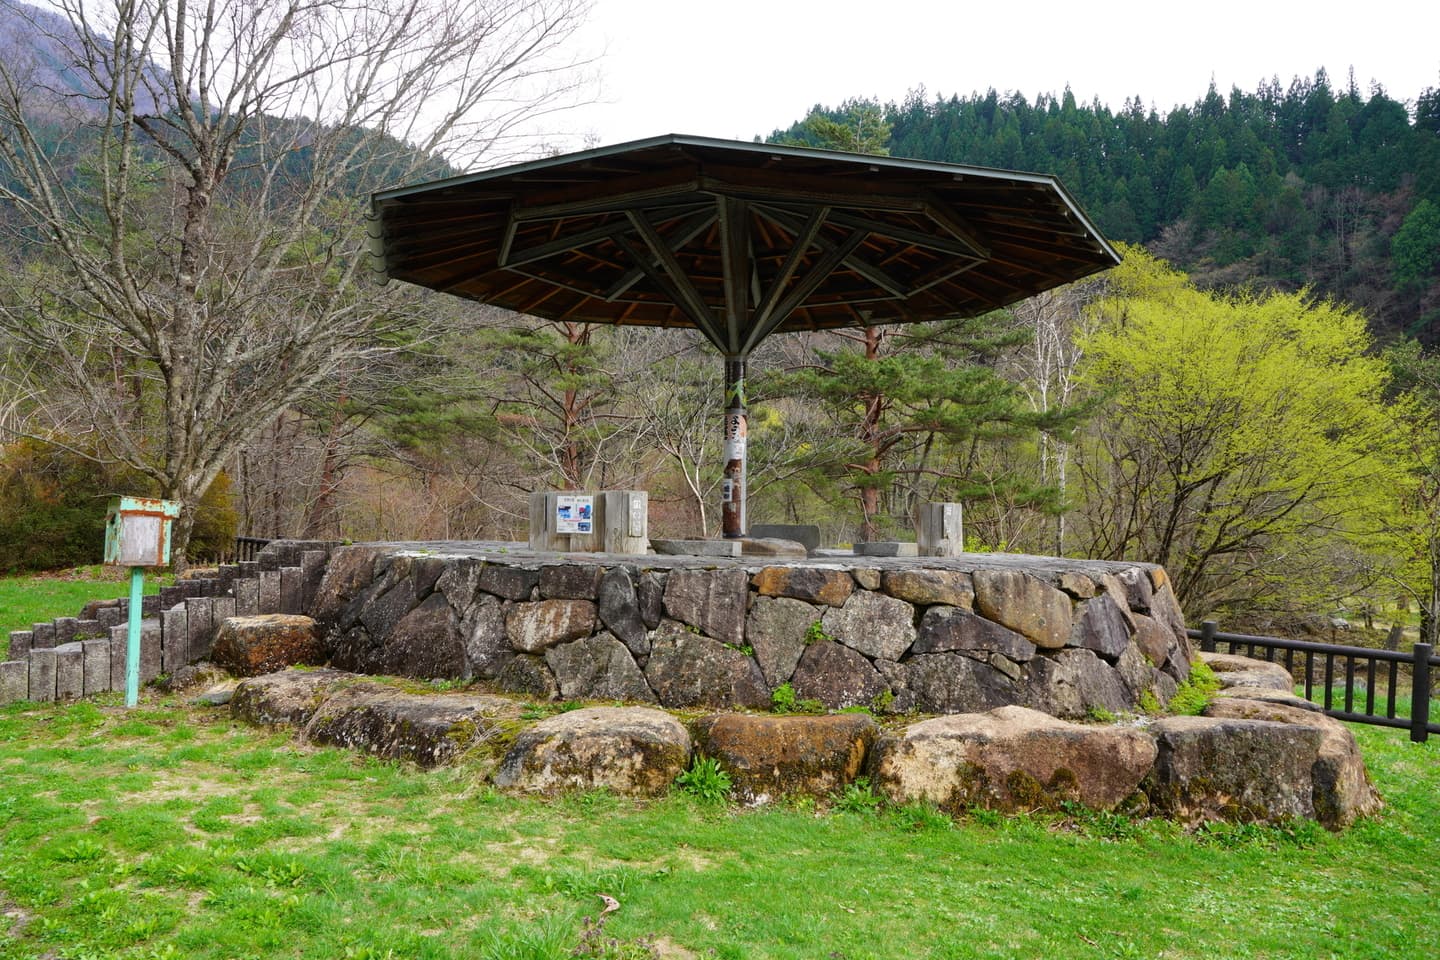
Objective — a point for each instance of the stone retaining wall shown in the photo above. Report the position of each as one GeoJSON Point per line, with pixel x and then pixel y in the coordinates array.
{"type": "Point", "coordinates": [959, 635]}
{"type": "Point", "coordinates": [84, 655]}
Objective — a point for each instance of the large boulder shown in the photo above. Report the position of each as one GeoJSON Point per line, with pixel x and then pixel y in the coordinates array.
{"type": "Point", "coordinates": [1215, 768]}
{"type": "Point", "coordinates": [688, 670]}
{"type": "Point", "coordinates": [635, 751]}
{"type": "Point", "coordinates": [1341, 790]}
{"type": "Point", "coordinates": [428, 730]}
{"type": "Point", "coordinates": [1015, 599]}
{"type": "Point", "coordinates": [772, 757]}
{"type": "Point", "coordinates": [597, 668]}
{"type": "Point", "coordinates": [250, 646]}
{"type": "Point", "coordinates": [1011, 758]}
{"type": "Point", "coordinates": [290, 696]}
{"type": "Point", "coordinates": [872, 623]}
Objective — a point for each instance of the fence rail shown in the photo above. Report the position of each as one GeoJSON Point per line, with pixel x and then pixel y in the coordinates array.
{"type": "Point", "coordinates": [248, 548]}
{"type": "Point", "coordinates": [1417, 664]}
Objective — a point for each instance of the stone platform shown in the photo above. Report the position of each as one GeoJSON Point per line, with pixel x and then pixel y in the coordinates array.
{"type": "Point", "coordinates": [934, 635]}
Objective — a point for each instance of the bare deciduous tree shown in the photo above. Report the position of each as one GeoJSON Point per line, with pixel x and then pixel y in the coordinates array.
{"type": "Point", "coordinates": [190, 178]}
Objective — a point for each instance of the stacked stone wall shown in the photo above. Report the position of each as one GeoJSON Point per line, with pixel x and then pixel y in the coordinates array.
{"type": "Point", "coordinates": [1068, 638]}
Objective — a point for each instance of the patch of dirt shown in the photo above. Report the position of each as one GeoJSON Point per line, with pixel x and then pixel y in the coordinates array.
{"type": "Point", "coordinates": [668, 949]}
{"type": "Point", "coordinates": [17, 916]}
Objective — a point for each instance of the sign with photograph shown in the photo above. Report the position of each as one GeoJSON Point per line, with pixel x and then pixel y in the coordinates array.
{"type": "Point", "coordinates": [574, 513]}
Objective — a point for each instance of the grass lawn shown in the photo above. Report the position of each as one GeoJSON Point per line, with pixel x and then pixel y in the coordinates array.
{"type": "Point", "coordinates": [168, 831]}
{"type": "Point", "coordinates": [41, 598]}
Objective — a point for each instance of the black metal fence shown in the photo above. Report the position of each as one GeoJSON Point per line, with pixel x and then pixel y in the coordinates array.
{"type": "Point", "coordinates": [1353, 681]}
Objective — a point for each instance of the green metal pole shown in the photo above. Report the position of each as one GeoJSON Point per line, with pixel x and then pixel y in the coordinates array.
{"type": "Point", "coordinates": [132, 647]}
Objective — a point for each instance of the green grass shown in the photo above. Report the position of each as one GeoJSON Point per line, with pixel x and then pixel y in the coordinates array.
{"type": "Point", "coordinates": [171, 832]}
{"type": "Point", "coordinates": [39, 599]}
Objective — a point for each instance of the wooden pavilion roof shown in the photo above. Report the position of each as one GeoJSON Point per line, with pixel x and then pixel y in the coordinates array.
{"type": "Point", "coordinates": [738, 239]}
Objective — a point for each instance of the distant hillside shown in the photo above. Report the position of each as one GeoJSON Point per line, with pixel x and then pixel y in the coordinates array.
{"type": "Point", "coordinates": [1303, 186]}
{"type": "Point", "coordinates": [35, 44]}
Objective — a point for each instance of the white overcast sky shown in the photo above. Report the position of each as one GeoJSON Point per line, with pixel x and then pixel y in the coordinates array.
{"type": "Point", "coordinates": [739, 68]}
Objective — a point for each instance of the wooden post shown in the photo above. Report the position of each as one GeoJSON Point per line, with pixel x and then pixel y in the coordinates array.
{"type": "Point", "coordinates": [940, 532]}
{"type": "Point", "coordinates": [732, 486]}
{"type": "Point", "coordinates": [132, 637]}
{"type": "Point", "coordinates": [1207, 636]}
{"type": "Point", "coordinates": [1420, 694]}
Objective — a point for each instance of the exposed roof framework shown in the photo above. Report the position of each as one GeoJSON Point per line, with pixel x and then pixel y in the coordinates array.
{"type": "Point", "coordinates": [739, 240]}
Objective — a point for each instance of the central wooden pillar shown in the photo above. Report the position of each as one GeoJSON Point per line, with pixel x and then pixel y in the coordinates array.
{"type": "Point", "coordinates": [732, 486]}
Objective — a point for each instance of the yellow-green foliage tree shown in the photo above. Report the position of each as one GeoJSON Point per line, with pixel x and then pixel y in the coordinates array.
{"type": "Point", "coordinates": [1417, 446]}
{"type": "Point", "coordinates": [1244, 444]}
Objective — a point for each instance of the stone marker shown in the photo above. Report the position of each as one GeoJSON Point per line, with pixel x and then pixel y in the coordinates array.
{"type": "Point", "coordinates": [42, 675]}
{"type": "Point", "coordinates": [696, 548]}
{"type": "Point", "coordinates": [805, 534]}
{"type": "Point", "coordinates": [200, 624]}
{"type": "Point", "coordinates": [69, 671]}
{"type": "Point", "coordinates": [14, 681]}
{"type": "Point", "coordinates": [95, 669]}
{"type": "Point", "coordinates": [20, 643]}
{"type": "Point", "coordinates": [175, 649]}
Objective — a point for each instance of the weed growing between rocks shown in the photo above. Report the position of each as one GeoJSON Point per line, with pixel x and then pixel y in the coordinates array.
{"type": "Point", "coordinates": [1195, 694]}
{"type": "Point", "coordinates": [784, 700]}
{"type": "Point", "coordinates": [858, 797]}
{"type": "Point", "coordinates": [706, 781]}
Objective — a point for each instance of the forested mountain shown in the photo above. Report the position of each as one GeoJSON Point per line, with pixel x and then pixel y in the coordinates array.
{"type": "Point", "coordinates": [1309, 185]}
